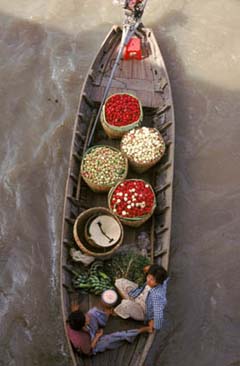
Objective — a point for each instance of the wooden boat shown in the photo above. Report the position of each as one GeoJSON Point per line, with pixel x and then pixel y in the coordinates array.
{"type": "Point", "coordinates": [148, 80]}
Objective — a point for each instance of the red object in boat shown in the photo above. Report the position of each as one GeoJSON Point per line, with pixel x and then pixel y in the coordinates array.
{"type": "Point", "coordinates": [133, 49]}
{"type": "Point", "coordinates": [132, 198]}
{"type": "Point", "coordinates": [122, 110]}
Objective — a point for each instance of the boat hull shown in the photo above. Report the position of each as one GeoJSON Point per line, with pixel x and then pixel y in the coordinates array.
{"type": "Point", "coordinates": [148, 80]}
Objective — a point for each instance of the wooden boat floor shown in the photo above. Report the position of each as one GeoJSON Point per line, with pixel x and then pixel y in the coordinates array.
{"type": "Point", "coordinates": [100, 200]}
{"type": "Point", "coordinates": [127, 352]}
{"type": "Point", "coordinates": [143, 78]}
{"type": "Point", "coordinates": [148, 80]}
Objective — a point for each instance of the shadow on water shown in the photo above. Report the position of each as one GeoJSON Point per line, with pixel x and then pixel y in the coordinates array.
{"type": "Point", "coordinates": [43, 70]}
{"type": "Point", "coordinates": [202, 318]}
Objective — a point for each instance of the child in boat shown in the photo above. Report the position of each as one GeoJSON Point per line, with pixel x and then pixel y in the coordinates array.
{"type": "Point", "coordinates": [86, 334]}
{"type": "Point", "coordinates": [147, 302]}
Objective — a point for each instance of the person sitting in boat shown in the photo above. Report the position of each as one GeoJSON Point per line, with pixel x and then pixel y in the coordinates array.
{"type": "Point", "coordinates": [85, 331]}
{"type": "Point", "coordinates": [147, 302]}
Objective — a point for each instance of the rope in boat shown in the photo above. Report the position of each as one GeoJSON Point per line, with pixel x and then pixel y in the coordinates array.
{"type": "Point", "coordinates": [130, 24]}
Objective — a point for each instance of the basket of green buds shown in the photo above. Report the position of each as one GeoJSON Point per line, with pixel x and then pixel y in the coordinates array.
{"type": "Point", "coordinates": [102, 167]}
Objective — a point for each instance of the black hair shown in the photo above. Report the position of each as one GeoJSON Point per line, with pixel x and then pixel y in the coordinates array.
{"type": "Point", "coordinates": [158, 272]}
{"type": "Point", "coordinates": [76, 320]}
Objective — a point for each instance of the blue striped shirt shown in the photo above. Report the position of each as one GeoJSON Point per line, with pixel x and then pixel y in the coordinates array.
{"type": "Point", "coordinates": [155, 303]}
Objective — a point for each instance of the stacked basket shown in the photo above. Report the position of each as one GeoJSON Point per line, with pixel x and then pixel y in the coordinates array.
{"type": "Point", "coordinates": [98, 231]}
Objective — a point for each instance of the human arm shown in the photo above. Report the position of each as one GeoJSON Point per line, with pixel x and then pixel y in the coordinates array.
{"type": "Point", "coordinates": [158, 307]}
{"type": "Point", "coordinates": [151, 326]}
{"type": "Point", "coordinates": [146, 268]}
{"type": "Point", "coordinates": [98, 334]}
{"type": "Point", "coordinates": [136, 292]}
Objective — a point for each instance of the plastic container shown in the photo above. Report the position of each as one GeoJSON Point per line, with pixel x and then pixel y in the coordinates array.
{"type": "Point", "coordinates": [133, 49]}
{"type": "Point", "coordinates": [109, 297]}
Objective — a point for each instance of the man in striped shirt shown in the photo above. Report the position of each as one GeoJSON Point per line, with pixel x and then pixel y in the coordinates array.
{"type": "Point", "coordinates": [150, 298]}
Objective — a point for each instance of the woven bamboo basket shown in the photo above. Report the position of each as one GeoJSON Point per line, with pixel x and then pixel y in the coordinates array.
{"type": "Point", "coordinates": [115, 132]}
{"type": "Point", "coordinates": [141, 167]}
{"type": "Point", "coordinates": [132, 221]}
{"type": "Point", "coordinates": [102, 231]}
{"type": "Point", "coordinates": [79, 233]}
{"type": "Point", "coordinates": [102, 188]}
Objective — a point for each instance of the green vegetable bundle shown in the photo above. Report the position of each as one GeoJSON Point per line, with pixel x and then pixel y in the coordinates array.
{"type": "Point", "coordinates": [127, 265]}
{"type": "Point", "coordinates": [93, 280]}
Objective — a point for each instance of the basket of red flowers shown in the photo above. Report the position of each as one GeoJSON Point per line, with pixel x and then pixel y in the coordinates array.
{"type": "Point", "coordinates": [121, 112]}
{"type": "Point", "coordinates": [132, 201]}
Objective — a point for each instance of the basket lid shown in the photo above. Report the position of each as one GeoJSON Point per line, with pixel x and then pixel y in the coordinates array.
{"type": "Point", "coordinates": [103, 231]}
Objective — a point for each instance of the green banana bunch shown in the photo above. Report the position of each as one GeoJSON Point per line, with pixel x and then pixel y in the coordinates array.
{"type": "Point", "coordinates": [94, 281]}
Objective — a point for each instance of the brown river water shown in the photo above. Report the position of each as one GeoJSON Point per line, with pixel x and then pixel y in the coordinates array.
{"type": "Point", "coordinates": [46, 48]}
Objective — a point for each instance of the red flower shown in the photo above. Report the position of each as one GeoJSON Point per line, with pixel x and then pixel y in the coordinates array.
{"type": "Point", "coordinates": [139, 202]}
{"type": "Point", "coordinates": [122, 110]}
